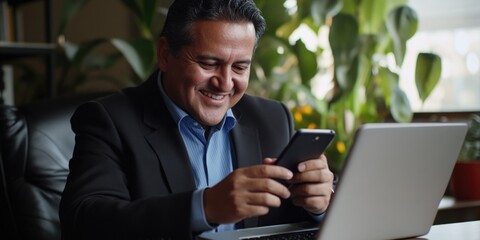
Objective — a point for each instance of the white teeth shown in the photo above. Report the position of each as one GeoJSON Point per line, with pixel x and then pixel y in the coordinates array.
{"type": "Point", "coordinates": [213, 96]}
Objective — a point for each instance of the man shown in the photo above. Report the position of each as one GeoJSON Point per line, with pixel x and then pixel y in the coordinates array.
{"type": "Point", "coordinates": [187, 151]}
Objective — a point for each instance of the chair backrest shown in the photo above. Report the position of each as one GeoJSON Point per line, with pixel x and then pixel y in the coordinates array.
{"type": "Point", "coordinates": [36, 143]}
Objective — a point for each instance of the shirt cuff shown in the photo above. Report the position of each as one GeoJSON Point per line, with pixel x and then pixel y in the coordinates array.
{"type": "Point", "coordinates": [198, 221]}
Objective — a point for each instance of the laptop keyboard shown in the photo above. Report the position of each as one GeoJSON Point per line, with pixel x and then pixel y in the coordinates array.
{"type": "Point", "coordinates": [305, 235]}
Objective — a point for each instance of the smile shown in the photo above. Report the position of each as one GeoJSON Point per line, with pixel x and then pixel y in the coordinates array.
{"type": "Point", "coordinates": [213, 96]}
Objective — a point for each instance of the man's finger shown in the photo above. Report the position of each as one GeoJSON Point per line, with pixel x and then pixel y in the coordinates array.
{"type": "Point", "coordinates": [313, 164]}
{"type": "Point", "coordinates": [268, 171]}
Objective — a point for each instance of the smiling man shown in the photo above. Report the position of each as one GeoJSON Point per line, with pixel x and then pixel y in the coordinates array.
{"type": "Point", "coordinates": [188, 151]}
{"type": "Point", "coordinates": [210, 75]}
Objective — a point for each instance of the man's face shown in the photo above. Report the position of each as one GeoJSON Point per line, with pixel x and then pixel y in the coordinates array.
{"type": "Point", "coordinates": [210, 75]}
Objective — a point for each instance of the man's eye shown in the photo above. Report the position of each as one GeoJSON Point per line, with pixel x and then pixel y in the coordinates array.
{"type": "Point", "coordinates": [240, 68]}
{"type": "Point", "coordinates": [207, 65]}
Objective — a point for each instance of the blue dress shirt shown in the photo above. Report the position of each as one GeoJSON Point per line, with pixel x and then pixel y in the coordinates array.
{"type": "Point", "coordinates": [210, 157]}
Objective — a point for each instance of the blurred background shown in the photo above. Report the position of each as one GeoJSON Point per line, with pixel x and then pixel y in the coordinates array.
{"type": "Point", "coordinates": [336, 64]}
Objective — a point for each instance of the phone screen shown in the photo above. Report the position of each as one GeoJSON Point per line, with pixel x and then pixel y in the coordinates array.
{"type": "Point", "coordinates": [305, 144]}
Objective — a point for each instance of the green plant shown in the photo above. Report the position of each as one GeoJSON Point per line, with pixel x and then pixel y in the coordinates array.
{"type": "Point", "coordinates": [78, 61]}
{"type": "Point", "coordinates": [360, 81]}
{"type": "Point", "coordinates": [471, 146]}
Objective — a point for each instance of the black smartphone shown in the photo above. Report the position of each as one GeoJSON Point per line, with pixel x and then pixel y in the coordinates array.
{"type": "Point", "coordinates": [305, 144]}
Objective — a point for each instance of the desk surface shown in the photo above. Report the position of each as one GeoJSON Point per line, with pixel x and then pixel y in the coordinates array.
{"type": "Point", "coordinates": [457, 231]}
{"type": "Point", "coordinates": [450, 202]}
{"type": "Point", "coordinates": [451, 211]}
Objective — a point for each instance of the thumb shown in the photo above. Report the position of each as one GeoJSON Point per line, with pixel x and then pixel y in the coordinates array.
{"type": "Point", "coordinates": [269, 161]}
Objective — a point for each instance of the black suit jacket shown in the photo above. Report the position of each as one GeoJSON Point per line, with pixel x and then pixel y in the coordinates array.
{"type": "Point", "coordinates": [130, 177]}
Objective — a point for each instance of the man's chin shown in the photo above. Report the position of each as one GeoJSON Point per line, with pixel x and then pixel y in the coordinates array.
{"type": "Point", "coordinates": [212, 119]}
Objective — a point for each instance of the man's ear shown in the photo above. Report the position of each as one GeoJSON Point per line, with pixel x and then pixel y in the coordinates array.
{"type": "Point", "coordinates": [163, 52]}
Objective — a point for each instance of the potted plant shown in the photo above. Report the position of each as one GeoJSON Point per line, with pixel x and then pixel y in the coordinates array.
{"type": "Point", "coordinates": [80, 60]}
{"type": "Point", "coordinates": [465, 181]}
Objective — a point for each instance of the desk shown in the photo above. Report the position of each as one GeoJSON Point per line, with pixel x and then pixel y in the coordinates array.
{"type": "Point", "coordinates": [450, 211]}
{"type": "Point", "coordinates": [457, 231]}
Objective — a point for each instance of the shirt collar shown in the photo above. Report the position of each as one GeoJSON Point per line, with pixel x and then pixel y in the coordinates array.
{"type": "Point", "coordinates": [178, 114]}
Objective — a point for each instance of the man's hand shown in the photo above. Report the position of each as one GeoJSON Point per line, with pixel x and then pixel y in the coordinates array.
{"type": "Point", "coordinates": [312, 185]}
{"type": "Point", "coordinates": [246, 192]}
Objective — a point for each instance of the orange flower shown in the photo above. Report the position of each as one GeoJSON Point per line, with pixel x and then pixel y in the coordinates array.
{"type": "Point", "coordinates": [308, 110]}
{"type": "Point", "coordinates": [298, 116]}
{"type": "Point", "coordinates": [341, 147]}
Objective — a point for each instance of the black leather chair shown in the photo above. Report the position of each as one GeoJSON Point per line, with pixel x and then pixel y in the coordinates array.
{"type": "Point", "coordinates": [36, 143]}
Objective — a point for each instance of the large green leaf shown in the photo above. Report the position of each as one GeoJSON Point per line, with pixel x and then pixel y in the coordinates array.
{"type": "Point", "coordinates": [134, 7]}
{"type": "Point", "coordinates": [427, 73]}
{"type": "Point", "coordinates": [140, 54]}
{"type": "Point", "coordinates": [80, 59]}
{"type": "Point", "coordinates": [275, 14]}
{"type": "Point", "coordinates": [371, 16]}
{"type": "Point", "coordinates": [402, 24]}
{"type": "Point", "coordinates": [343, 40]}
{"type": "Point", "coordinates": [76, 53]}
{"type": "Point", "coordinates": [343, 34]}
{"type": "Point", "coordinates": [69, 9]}
{"type": "Point", "coordinates": [347, 74]}
{"type": "Point", "coordinates": [286, 30]}
{"type": "Point", "coordinates": [70, 50]}
{"type": "Point", "coordinates": [350, 7]}
{"type": "Point", "coordinates": [355, 90]}
{"type": "Point", "coordinates": [303, 8]}
{"type": "Point", "coordinates": [102, 61]}
{"type": "Point", "coordinates": [391, 4]}
{"type": "Point", "coordinates": [267, 55]}
{"type": "Point", "coordinates": [321, 9]}
{"type": "Point", "coordinates": [388, 81]}
{"type": "Point", "coordinates": [404, 21]}
{"type": "Point", "coordinates": [149, 9]}
{"type": "Point", "coordinates": [144, 11]}
{"type": "Point", "coordinates": [400, 107]}
{"type": "Point", "coordinates": [307, 62]}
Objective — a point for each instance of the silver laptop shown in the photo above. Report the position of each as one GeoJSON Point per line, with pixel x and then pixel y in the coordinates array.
{"type": "Point", "coordinates": [390, 187]}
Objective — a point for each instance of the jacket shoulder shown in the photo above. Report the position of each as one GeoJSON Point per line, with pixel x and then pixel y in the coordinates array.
{"type": "Point", "coordinates": [260, 109]}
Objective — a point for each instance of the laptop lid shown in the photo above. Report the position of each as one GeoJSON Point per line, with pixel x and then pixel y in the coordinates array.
{"type": "Point", "coordinates": [393, 180]}
{"type": "Point", "coordinates": [391, 185]}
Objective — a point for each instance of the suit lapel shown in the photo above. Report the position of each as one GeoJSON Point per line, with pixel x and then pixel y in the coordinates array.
{"type": "Point", "coordinates": [166, 141]}
{"type": "Point", "coordinates": [246, 145]}
{"type": "Point", "coordinates": [173, 159]}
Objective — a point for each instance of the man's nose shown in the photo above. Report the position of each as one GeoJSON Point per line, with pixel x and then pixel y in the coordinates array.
{"type": "Point", "coordinates": [225, 79]}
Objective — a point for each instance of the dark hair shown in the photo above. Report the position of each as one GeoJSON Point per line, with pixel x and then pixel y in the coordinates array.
{"type": "Point", "coordinates": [182, 13]}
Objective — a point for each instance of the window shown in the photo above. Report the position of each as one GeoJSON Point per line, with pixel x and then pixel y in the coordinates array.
{"type": "Point", "coordinates": [451, 30]}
